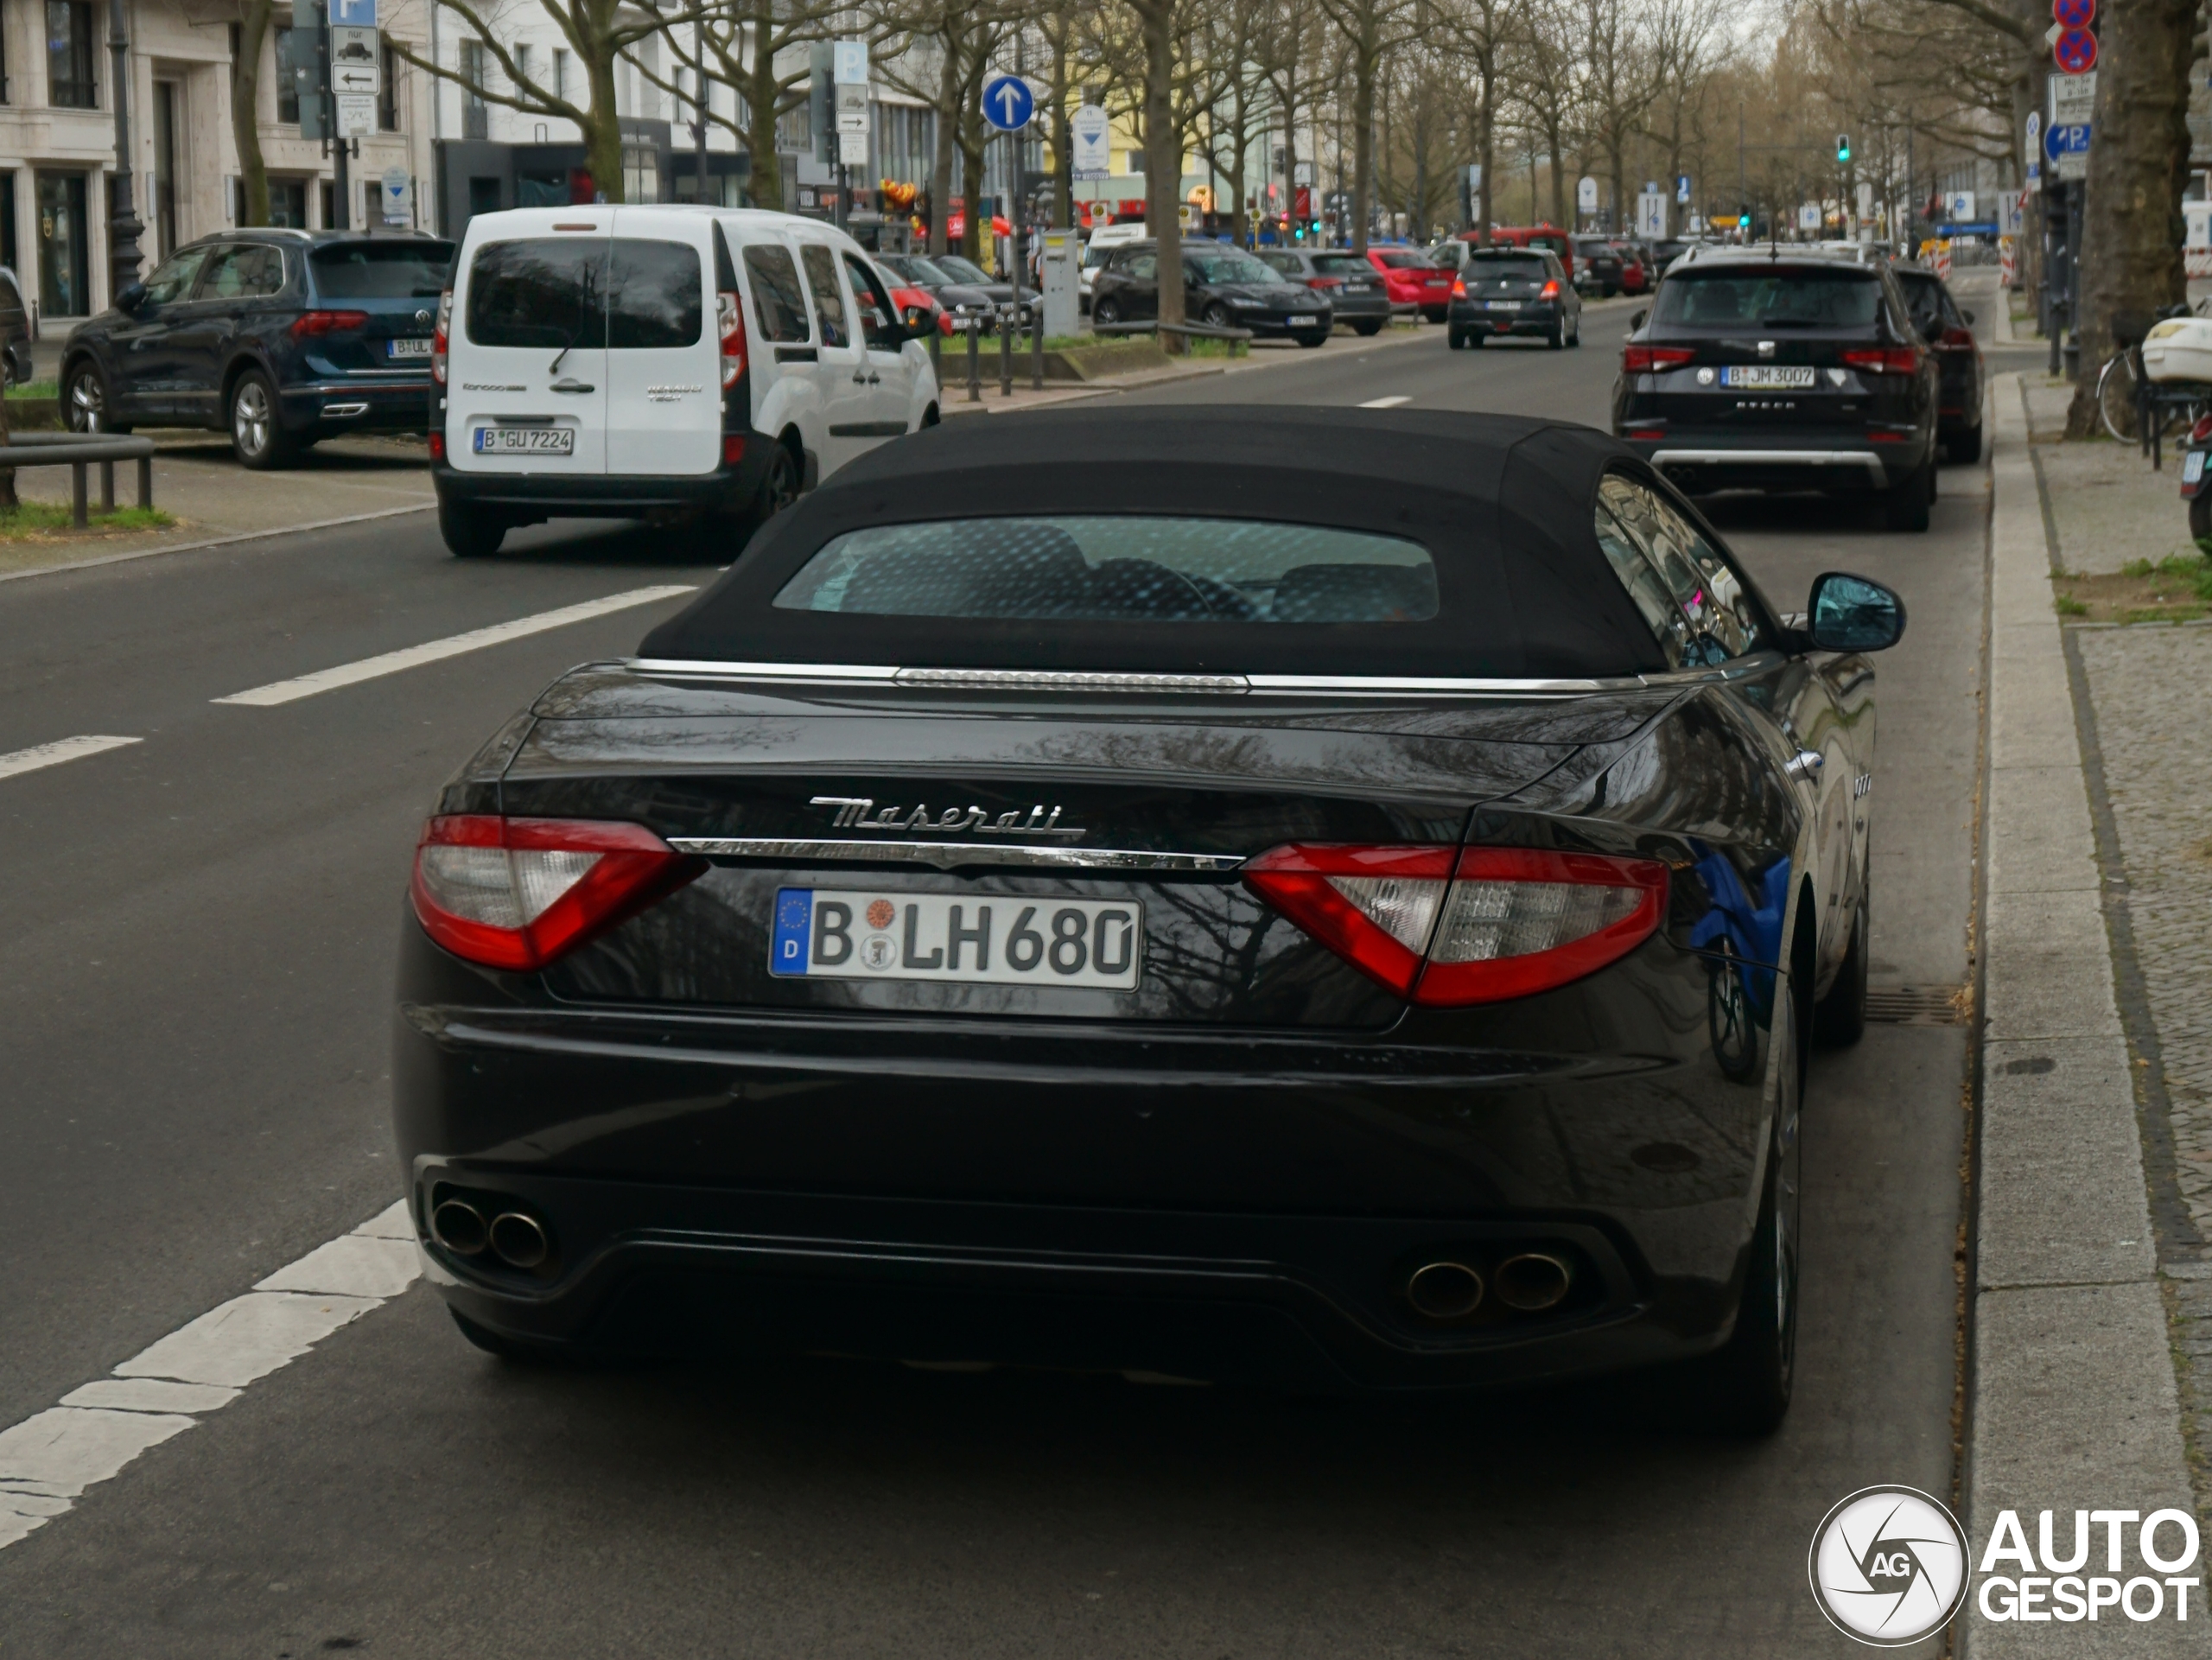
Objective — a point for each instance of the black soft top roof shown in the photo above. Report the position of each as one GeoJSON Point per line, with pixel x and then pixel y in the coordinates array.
{"type": "Point", "coordinates": [1503, 503]}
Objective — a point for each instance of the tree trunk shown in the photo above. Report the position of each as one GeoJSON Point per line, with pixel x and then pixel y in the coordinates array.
{"type": "Point", "coordinates": [245, 125]}
{"type": "Point", "coordinates": [602, 134]}
{"type": "Point", "coordinates": [973, 138]}
{"type": "Point", "coordinates": [1362, 142]}
{"type": "Point", "coordinates": [1557, 142]}
{"type": "Point", "coordinates": [1163, 162]}
{"type": "Point", "coordinates": [948, 99]}
{"type": "Point", "coordinates": [763, 92]}
{"type": "Point", "coordinates": [1486, 147]}
{"type": "Point", "coordinates": [2131, 228]}
{"type": "Point", "coordinates": [1240, 155]}
{"type": "Point", "coordinates": [1063, 136]}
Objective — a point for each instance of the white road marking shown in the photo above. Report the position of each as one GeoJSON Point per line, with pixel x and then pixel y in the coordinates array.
{"type": "Point", "coordinates": [47, 1460]}
{"type": "Point", "coordinates": [1389, 403]}
{"type": "Point", "coordinates": [52, 754]}
{"type": "Point", "coordinates": [370, 668]}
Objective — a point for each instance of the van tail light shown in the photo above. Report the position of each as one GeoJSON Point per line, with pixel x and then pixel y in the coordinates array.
{"type": "Point", "coordinates": [438, 339]}
{"type": "Point", "coordinates": [1885, 359]}
{"type": "Point", "coordinates": [1550, 290]}
{"type": "Point", "coordinates": [1645, 359]}
{"type": "Point", "coordinates": [437, 445]}
{"type": "Point", "coordinates": [2201, 430]}
{"type": "Point", "coordinates": [729, 322]}
{"type": "Point", "coordinates": [312, 324]}
{"type": "Point", "coordinates": [518, 893]}
{"type": "Point", "coordinates": [1446, 927]}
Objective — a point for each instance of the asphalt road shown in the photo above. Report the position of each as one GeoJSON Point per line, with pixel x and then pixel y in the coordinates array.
{"type": "Point", "coordinates": [197, 977]}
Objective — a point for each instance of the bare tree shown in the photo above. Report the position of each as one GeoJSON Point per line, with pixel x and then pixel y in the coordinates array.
{"type": "Point", "coordinates": [246, 110]}
{"type": "Point", "coordinates": [1371, 30]}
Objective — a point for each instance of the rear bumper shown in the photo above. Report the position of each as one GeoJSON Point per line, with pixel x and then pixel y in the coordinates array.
{"type": "Point", "coordinates": [1702, 463]}
{"type": "Point", "coordinates": [1535, 317]}
{"type": "Point", "coordinates": [608, 495]}
{"type": "Point", "coordinates": [1232, 1208]}
{"type": "Point", "coordinates": [357, 406]}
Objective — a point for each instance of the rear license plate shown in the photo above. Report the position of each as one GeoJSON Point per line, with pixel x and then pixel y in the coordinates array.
{"type": "Point", "coordinates": [1301, 322]}
{"type": "Point", "coordinates": [2192, 466]}
{"type": "Point", "coordinates": [407, 349]}
{"type": "Point", "coordinates": [1504, 305]}
{"type": "Point", "coordinates": [998, 939]}
{"type": "Point", "coordinates": [525, 440]}
{"type": "Point", "coordinates": [1762, 378]}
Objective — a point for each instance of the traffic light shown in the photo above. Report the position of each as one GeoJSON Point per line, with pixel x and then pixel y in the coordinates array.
{"type": "Point", "coordinates": [1744, 220]}
{"type": "Point", "coordinates": [1843, 148]}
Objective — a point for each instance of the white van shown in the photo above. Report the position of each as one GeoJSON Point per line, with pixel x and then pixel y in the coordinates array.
{"type": "Point", "coordinates": [1102, 241]}
{"type": "Point", "coordinates": [660, 362]}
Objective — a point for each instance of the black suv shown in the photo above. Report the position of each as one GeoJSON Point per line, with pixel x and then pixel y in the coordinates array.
{"type": "Point", "coordinates": [1770, 369]}
{"type": "Point", "coordinates": [279, 337]}
{"type": "Point", "coordinates": [1949, 334]}
{"type": "Point", "coordinates": [1223, 286]}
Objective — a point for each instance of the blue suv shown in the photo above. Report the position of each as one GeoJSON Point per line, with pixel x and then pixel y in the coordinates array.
{"type": "Point", "coordinates": [280, 338]}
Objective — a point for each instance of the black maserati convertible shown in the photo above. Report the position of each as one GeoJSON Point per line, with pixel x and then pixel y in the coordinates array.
{"type": "Point", "coordinates": [1346, 910]}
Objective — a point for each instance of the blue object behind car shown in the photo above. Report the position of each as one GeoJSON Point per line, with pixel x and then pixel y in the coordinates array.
{"type": "Point", "coordinates": [279, 337]}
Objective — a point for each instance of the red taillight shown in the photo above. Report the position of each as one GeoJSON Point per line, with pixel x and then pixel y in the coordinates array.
{"type": "Point", "coordinates": [1458, 288]}
{"type": "Point", "coordinates": [1550, 290]}
{"type": "Point", "coordinates": [438, 339]}
{"type": "Point", "coordinates": [1958, 337]}
{"type": "Point", "coordinates": [437, 446]}
{"type": "Point", "coordinates": [729, 321]}
{"type": "Point", "coordinates": [1643, 359]}
{"type": "Point", "coordinates": [312, 323]}
{"type": "Point", "coordinates": [733, 448]}
{"type": "Point", "coordinates": [1447, 928]}
{"type": "Point", "coordinates": [1324, 282]}
{"type": "Point", "coordinates": [2201, 430]}
{"type": "Point", "coordinates": [516, 893]}
{"type": "Point", "coordinates": [1885, 359]}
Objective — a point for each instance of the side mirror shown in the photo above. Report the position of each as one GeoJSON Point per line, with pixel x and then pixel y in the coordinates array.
{"type": "Point", "coordinates": [1851, 613]}
{"type": "Point", "coordinates": [131, 298]}
{"type": "Point", "coordinates": [1636, 321]}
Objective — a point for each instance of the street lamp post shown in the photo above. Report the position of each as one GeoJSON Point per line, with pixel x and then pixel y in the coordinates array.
{"type": "Point", "coordinates": [123, 224]}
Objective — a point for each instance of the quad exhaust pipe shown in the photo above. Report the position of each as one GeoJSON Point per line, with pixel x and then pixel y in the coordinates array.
{"type": "Point", "coordinates": [516, 1237]}
{"type": "Point", "coordinates": [1528, 1283]}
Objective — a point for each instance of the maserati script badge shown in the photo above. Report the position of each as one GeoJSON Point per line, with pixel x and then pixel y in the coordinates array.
{"type": "Point", "coordinates": [860, 812]}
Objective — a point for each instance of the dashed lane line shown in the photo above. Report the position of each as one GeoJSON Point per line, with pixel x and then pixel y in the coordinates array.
{"type": "Point", "coordinates": [49, 1459]}
{"type": "Point", "coordinates": [52, 754]}
{"type": "Point", "coordinates": [1389, 403]}
{"type": "Point", "coordinates": [370, 668]}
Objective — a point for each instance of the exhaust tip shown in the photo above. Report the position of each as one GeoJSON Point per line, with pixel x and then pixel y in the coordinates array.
{"type": "Point", "coordinates": [459, 1226]}
{"type": "Point", "coordinates": [1532, 1281]}
{"type": "Point", "coordinates": [518, 1241]}
{"type": "Point", "coordinates": [1445, 1290]}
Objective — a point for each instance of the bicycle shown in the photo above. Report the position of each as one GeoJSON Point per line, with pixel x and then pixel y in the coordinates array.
{"type": "Point", "coordinates": [2128, 398]}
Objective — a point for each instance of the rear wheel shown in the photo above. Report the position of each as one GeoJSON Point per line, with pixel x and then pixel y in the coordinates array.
{"type": "Point", "coordinates": [1839, 1018]}
{"type": "Point", "coordinates": [1575, 338]}
{"type": "Point", "coordinates": [2200, 513]}
{"type": "Point", "coordinates": [779, 487]}
{"type": "Point", "coordinates": [470, 532]}
{"type": "Point", "coordinates": [257, 435]}
{"type": "Point", "coordinates": [1313, 339]}
{"type": "Point", "coordinates": [1457, 340]}
{"type": "Point", "coordinates": [1367, 331]}
{"type": "Point", "coordinates": [1557, 337]}
{"type": "Point", "coordinates": [1964, 449]}
{"type": "Point", "coordinates": [1906, 508]}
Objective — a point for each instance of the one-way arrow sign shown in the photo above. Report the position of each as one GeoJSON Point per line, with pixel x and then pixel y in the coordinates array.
{"type": "Point", "coordinates": [1008, 103]}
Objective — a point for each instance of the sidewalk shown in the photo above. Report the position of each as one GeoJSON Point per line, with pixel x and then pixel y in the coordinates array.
{"type": "Point", "coordinates": [197, 480]}
{"type": "Point", "coordinates": [2091, 1317]}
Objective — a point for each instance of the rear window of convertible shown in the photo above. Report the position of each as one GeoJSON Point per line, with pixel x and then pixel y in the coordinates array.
{"type": "Point", "coordinates": [1116, 569]}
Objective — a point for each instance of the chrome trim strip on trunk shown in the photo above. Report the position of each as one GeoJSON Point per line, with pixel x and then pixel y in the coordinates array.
{"type": "Point", "coordinates": [1866, 458]}
{"type": "Point", "coordinates": [1072, 680]}
{"type": "Point", "coordinates": [1130, 681]}
{"type": "Point", "coordinates": [949, 856]}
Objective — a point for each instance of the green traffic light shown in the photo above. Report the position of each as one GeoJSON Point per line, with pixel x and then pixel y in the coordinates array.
{"type": "Point", "coordinates": [1843, 147]}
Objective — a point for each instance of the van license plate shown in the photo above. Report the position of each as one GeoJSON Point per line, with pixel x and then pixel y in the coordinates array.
{"type": "Point", "coordinates": [999, 939]}
{"type": "Point", "coordinates": [407, 349]}
{"type": "Point", "coordinates": [1760, 377]}
{"type": "Point", "coordinates": [525, 440]}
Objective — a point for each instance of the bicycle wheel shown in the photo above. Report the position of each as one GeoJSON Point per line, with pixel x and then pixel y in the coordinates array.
{"type": "Point", "coordinates": [2116, 398]}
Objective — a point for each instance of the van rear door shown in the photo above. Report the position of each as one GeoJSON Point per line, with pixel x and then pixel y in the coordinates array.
{"type": "Point", "coordinates": [527, 386]}
{"type": "Point", "coordinates": [664, 369]}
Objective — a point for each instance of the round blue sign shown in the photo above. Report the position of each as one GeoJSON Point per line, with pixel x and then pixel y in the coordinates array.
{"type": "Point", "coordinates": [1008, 103]}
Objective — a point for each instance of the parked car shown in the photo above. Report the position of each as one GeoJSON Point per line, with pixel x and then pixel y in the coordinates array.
{"type": "Point", "coordinates": [634, 362]}
{"type": "Point", "coordinates": [1238, 1028]}
{"type": "Point", "coordinates": [1506, 291]}
{"type": "Point", "coordinates": [1546, 238]}
{"type": "Point", "coordinates": [1765, 369]}
{"type": "Point", "coordinates": [1222, 285]}
{"type": "Point", "coordinates": [15, 331]}
{"type": "Point", "coordinates": [1353, 290]}
{"type": "Point", "coordinates": [1949, 334]}
{"type": "Point", "coordinates": [1597, 266]}
{"type": "Point", "coordinates": [980, 291]}
{"type": "Point", "coordinates": [283, 338]}
{"type": "Point", "coordinates": [923, 292]}
{"type": "Point", "coordinates": [1636, 266]}
{"type": "Point", "coordinates": [1413, 280]}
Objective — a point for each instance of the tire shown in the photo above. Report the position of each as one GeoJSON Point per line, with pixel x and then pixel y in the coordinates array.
{"type": "Point", "coordinates": [1839, 1018]}
{"type": "Point", "coordinates": [1906, 507]}
{"type": "Point", "coordinates": [470, 532]}
{"type": "Point", "coordinates": [2200, 514]}
{"type": "Point", "coordinates": [1434, 315]}
{"type": "Point", "coordinates": [779, 487]}
{"type": "Point", "coordinates": [1575, 338]}
{"type": "Point", "coordinates": [84, 401]}
{"type": "Point", "coordinates": [1456, 340]}
{"type": "Point", "coordinates": [257, 435]}
{"type": "Point", "coordinates": [2116, 398]}
{"type": "Point", "coordinates": [1217, 316]}
{"type": "Point", "coordinates": [1965, 450]}
{"type": "Point", "coordinates": [1745, 1388]}
{"type": "Point", "coordinates": [1557, 338]}
{"type": "Point", "coordinates": [1312, 340]}
{"type": "Point", "coordinates": [1367, 331]}
{"type": "Point", "coordinates": [1107, 311]}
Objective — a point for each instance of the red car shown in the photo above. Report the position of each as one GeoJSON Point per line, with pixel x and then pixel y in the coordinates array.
{"type": "Point", "coordinates": [917, 308]}
{"type": "Point", "coordinates": [1413, 282]}
{"type": "Point", "coordinates": [1635, 268]}
{"type": "Point", "coordinates": [1546, 236]}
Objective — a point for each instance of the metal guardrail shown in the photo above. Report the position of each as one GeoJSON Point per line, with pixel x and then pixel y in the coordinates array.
{"type": "Point", "coordinates": [85, 449]}
{"type": "Point", "coordinates": [1197, 331]}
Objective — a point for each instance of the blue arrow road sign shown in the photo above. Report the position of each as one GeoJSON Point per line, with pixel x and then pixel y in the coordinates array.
{"type": "Point", "coordinates": [1008, 102]}
{"type": "Point", "coordinates": [2063, 139]}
